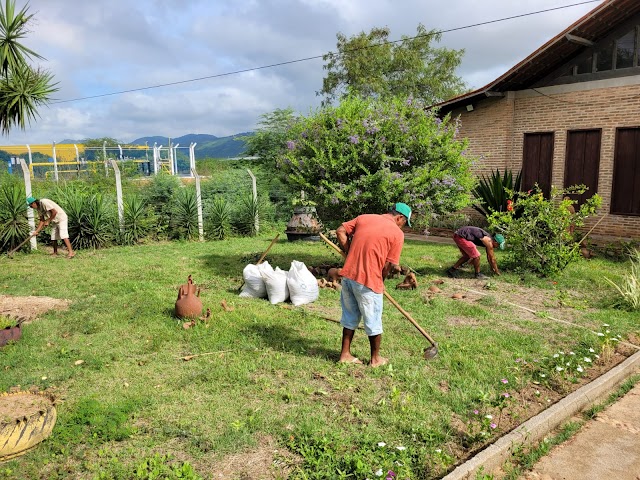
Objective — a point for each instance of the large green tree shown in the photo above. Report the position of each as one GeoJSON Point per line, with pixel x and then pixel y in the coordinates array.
{"type": "Point", "coordinates": [269, 139]}
{"type": "Point", "coordinates": [369, 65]}
{"type": "Point", "coordinates": [23, 88]}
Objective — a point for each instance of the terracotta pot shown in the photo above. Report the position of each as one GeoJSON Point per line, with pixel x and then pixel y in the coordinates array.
{"type": "Point", "coordinates": [188, 304]}
{"type": "Point", "coordinates": [303, 224]}
{"type": "Point", "coordinates": [10, 333]}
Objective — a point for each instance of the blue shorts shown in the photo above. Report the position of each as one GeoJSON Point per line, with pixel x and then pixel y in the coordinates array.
{"type": "Point", "coordinates": [358, 302]}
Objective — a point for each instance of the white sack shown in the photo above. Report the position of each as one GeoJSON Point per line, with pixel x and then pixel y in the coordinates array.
{"type": "Point", "coordinates": [303, 286]}
{"type": "Point", "coordinates": [276, 283]}
{"type": "Point", "coordinates": [254, 286]}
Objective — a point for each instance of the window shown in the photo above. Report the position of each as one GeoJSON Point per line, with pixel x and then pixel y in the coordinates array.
{"type": "Point", "coordinates": [585, 65]}
{"type": "Point", "coordinates": [604, 58]}
{"type": "Point", "coordinates": [625, 191]}
{"type": "Point", "coordinates": [625, 48]}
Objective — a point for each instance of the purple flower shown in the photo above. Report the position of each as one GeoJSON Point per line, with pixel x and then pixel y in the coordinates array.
{"type": "Point", "coordinates": [505, 395]}
{"type": "Point", "coordinates": [504, 380]}
{"type": "Point", "coordinates": [291, 144]}
{"type": "Point", "coordinates": [493, 425]}
{"type": "Point", "coordinates": [476, 412]}
{"type": "Point", "coordinates": [354, 139]}
{"type": "Point", "coordinates": [390, 475]}
{"type": "Point", "coordinates": [334, 200]}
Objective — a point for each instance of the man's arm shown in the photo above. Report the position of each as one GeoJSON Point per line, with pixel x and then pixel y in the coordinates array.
{"type": "Point", "coordinates": [388, 267]}
{"type": "Point", "coordinates": [343, 239]}
{"type": "Point", "coordinates": [491, 256]}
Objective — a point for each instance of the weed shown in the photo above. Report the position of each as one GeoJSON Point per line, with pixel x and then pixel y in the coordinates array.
{"type": "Point", "coordinates": [629, 288]}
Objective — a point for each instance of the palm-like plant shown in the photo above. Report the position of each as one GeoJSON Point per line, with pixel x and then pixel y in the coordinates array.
{"type": "Point", "coordinates": [184, 220]}
{"type": "Point", "coordinates": [492, 193]}
{"type": "Point", "coordinates": [139, 220]}
{"type": "Point", "coordinates": [14, 227]}
{"type": "Point", "coordinates": [22, 88]}
{"type": "Point", "coordinates": [218, 219]}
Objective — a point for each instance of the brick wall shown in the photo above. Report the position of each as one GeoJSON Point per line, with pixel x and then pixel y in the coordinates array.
{"type": "Point", "coordinates": [496, 127]}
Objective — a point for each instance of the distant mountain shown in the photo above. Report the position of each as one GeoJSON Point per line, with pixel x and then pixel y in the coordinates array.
{"type": "Point", "coordinates": [207, 146]}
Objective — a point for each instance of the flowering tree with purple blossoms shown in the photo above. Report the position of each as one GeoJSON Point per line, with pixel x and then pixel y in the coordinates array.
{"type": "Point", "coordinates": [365, 154]}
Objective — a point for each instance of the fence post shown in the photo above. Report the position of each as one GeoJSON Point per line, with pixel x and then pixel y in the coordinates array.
{"type": "Point", "coordinates": [106, 161]}
{"type": "Point", "coordinates": [116, 170]}
{"type": "Point", "coordinates": [199, 203]}
{"type": "Point", "coordinates": [192, 157]}
{"type": "Point", "coordinates": [255, 199]}
{"type": "Point", "coordinates": [27, 188]}
{"type": "Point", "coordinates": [155, 158]}
{"type": "Point", "coordinates": [55, 162]}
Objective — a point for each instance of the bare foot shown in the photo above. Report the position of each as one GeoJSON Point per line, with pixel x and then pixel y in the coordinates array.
{"type": "Point", "coordinates": [71, 255]}
{"type": "Point", "coordinates": [380, 361]}
{"type": "Point", "coordinates": [54, 254]}
{"type": "Point", "coordinates": [349, 359]}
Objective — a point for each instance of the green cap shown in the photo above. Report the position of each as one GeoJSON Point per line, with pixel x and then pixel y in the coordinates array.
{"type": "Point", "coordinates": [405, 210]}
{"type": "Point", "coordinates": [499, 238]}
{"type": "Point", "coordinates": [30, 200]}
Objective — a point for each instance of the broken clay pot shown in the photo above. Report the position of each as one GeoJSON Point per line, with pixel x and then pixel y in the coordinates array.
{"type": "Point", "coordinates": [188, 304]}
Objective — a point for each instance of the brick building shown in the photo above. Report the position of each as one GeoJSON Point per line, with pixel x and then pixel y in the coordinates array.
{"type": "Point", "coordinates": [569, 114]}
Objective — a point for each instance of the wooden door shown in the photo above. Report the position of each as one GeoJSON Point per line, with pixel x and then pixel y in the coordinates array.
{"type": "Point", "coordinates": [625, 192]}
{"type": "Point", "coordinates": [537, 161]}
{"type": "Point", "coordinates": [582, 162]}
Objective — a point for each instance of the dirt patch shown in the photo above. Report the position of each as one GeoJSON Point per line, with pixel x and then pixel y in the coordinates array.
{"type": "Point", "coordinates": [265, 462]}
{"type": "Point", "coordinates": [17, 406]}
{"type": "Point", "coordinates": [27, 309]}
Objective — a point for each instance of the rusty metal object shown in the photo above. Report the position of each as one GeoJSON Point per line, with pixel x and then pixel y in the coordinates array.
{"type": "Point", "coordinates": [188, 304]}
{"type": "Point", "coordinates": [303, 224]}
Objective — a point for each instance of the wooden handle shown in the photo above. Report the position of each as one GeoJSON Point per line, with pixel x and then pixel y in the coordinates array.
{"type": "Point", "coordinates": [19, 246]}
{"type": "Point", "coordinates": [267, 250]}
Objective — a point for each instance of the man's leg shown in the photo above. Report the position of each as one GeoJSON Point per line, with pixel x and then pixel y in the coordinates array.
{"type": "Point", "coordinates": [376, 359]}
{"type": "Point", "coordinates": [54, 244]}
{"type": "Point", "coordinates": [345, 353]}
{"type": "Point", "coordinates": [71, 253]}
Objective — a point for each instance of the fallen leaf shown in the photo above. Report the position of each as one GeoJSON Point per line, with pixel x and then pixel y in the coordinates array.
{"type": "Point", "coordinates": [434, 289]}
{"type": "Point", "coordinates": [438, 282]}
{"type": "Point", "coordinates": [187, 325]}
{"type": "Point", "coordinates": [225, 307]}
{"type": "Point", "coordinates": [457, 296]}
{"type": "Point", "coordinates": [78, 362]}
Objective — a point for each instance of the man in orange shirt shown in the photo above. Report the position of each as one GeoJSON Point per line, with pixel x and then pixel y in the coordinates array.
{"type": "Point", "coordinates": [373, 244]}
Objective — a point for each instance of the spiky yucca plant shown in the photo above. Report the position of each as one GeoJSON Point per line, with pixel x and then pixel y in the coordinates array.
{"type": "Point", "coordinates": [218, 219]}
{"type": "Point", "coordinates": [492, 192]}
{"type": "Point", "coordinates": [139, 220]}
{"type": "Point", "coordinates": [14, 227]}
{"type": "Point", "coordinates": [184, 218]}
{"type": "Point", "coordinates": [249, 216]}
{"type": "Point", "coordinates": [91, 219]}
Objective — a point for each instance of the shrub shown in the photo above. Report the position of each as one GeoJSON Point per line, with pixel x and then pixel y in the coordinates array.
{"type": "Point", "coordinates": [139, 221]}
{"type": "Point", "coordinates": [541, 238]}
{"type": "Point", "coordinates": [159, 194]}
{"type": "Point", "coordinates": [14, 227]}
{"type": "Point", "coordinates": [247, 220]}
{"type": "Point", "coordinates": [184, 217]}
{"type": "Point", "coordinates": [92, 221]}
{"type": "Point", "coordinates": [218, 215]}
{"type": "Point", "coordinates": [629, 288]}
{"type": "Point", "coordinates": [493, 194]}
{"type": "Point", "coordinates": [365, 154]}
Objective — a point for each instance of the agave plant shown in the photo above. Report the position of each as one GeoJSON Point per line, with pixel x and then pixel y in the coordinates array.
{"type": "Point", "coordinates": [492, 193]}
{"type": "Point", "coordinates": [248, 216]}
{"type": "Point", "coordinates": [184, 218]}
{"type": "Point", "coordinates": [91, 220]}
{"type": "Point", "coordinates": [14, 227]}
{"type": "Point", "coordinates": [139, 221]}
{"type": "Point", "coordinates": [218, 219]}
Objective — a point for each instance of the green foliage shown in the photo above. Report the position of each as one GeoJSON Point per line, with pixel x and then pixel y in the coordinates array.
{"type": "Point", "coordinates": [247, 221]}
{"type": "Point", "coordinates": [269, 139]}
{"type": "Point", "coordinates": [540, 237]}
{"type": "Point", "coordinates": [91, 218]}
{"type": "Point", "coordinates": [364, 155]}
{"type": "Point", "coordinates": [159, 194]}
{"type": "Point", "coordinates": [326, 456]}
{"type": "Point", "coordinates": [158, 467]}
{"type": "Point", "coordinates": [629, 287]}
{"type": "Point", "coordinates": [139, 221]}
{"type": "Point", "coordinates": [493, 193]}
{"type": "Point", "coordinates": [6, 322]}
{"type": "Point", "coordinates": [22, 88]}
{"type": "Point", "coordinates": [14, 227]}
{"type": "Point", "coordinates": [369, 65]}
{"type": "Point", "coordinates": [217, 218]}
{"type": "Point", "coordinates": [95, 422]}
{"type": "Point", "coordinates": [184, 220]}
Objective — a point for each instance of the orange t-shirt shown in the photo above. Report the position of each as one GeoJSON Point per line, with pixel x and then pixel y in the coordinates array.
{"type": "Point", "coordinates": [376, 239]}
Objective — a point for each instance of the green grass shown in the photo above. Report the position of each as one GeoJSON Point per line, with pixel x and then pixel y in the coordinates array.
{"type": "Point", "coordinates": [274, 374]}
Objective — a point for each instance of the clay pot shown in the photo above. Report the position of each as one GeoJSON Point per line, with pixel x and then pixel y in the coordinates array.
{"type": "Point", "coordinates": [304, 224]}
{"type": "Point", "coordinates": [10, 333]}
{"type": "Point", "coordinates": [188, 304]}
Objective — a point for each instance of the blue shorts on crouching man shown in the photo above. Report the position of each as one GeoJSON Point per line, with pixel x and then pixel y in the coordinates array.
{"type": "Point", "coordinates": [358, 302]}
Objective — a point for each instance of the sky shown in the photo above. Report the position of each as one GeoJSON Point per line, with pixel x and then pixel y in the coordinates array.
{"type": "Point", "coordinates": [97, 48]}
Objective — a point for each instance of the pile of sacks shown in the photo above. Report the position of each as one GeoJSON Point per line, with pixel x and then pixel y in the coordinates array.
{"type": "Point", "coordinates": [298, 284]}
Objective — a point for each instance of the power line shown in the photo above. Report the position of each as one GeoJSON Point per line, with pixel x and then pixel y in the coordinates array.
{"type": "Point", "coordinates": [316, 57]}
